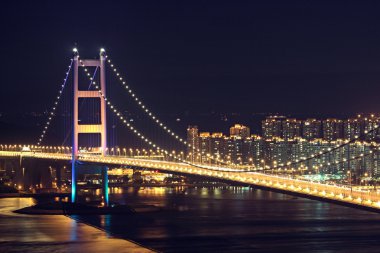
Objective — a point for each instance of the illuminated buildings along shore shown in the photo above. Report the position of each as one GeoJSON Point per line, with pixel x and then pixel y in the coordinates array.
{"type": "Point", "coordinates": [286, 140]}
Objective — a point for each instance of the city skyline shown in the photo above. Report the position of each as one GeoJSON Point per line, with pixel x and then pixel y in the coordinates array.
{"type": "Point", "coordinates": [207, 122]}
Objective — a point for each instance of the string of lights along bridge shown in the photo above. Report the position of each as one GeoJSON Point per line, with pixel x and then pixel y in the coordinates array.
{"type": "Point", "coordinates": [298, 175]}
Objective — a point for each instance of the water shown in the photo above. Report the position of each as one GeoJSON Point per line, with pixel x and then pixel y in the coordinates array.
{"type": "Point", "coordinates": [240, 220]}
{"type": "Point", "coordinates": [20, 233]}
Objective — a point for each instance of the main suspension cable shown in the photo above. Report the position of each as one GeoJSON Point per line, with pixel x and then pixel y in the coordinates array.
{"type": "Point", "coordinates": [51, 113]}
{"type": "Point", "coordinates": [153, 117]}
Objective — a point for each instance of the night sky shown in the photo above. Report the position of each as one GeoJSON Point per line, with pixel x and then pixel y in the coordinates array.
{"type": "Point", "coordinates": [199, 56]}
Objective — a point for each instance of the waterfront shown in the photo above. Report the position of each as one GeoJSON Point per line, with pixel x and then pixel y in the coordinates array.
{"type": "Point", "coordinates": [52, 233]}
{"type": "Point", "coordinates": [239, 219]}
{"type": "Point", "coordinates": [229, 219]}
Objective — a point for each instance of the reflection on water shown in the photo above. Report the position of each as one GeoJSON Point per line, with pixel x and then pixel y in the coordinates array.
{"type": "Point", "coordinates": [240, 219]}
{"type": "Point", "coordinates": [8, 205]}
{"type": "Point", "coordinates": [20, 233]}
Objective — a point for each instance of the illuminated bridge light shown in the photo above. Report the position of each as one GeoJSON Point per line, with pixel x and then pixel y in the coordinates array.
{"type": "Point", "coordinates": [276, 181]}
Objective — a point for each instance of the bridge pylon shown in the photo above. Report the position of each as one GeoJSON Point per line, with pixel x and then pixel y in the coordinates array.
{"type": "Point", "coordinates": [99, 128]}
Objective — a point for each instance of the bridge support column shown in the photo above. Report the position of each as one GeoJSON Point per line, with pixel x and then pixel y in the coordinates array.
{"type": "Point", "coordinates": [97, 128]}
{"type": "Point", "coordinates": [105, 185]}
{"type": "Point", "coordinates": [73, 182]}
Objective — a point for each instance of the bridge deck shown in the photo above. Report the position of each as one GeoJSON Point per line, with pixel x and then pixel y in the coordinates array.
{"type": "Point", "coordinates": [336, 193]}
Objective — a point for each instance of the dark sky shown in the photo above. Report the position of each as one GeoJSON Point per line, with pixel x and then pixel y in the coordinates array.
{"type": "Point", "coordinates": [244, 56]}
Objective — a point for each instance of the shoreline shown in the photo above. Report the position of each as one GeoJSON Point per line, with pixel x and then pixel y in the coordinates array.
{"type": "Point", "coordinates": [67, 208]}
{"type": "Point", "coordinates": [55, 233]}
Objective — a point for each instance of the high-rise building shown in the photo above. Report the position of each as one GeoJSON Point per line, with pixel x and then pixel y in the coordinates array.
{"type": "Point", "coordinates": [332, 129]}
{"type": "Point", "coordinates": [233, 149]}
{"type": "Point", "coordinates": [375, 170]}
{"type": "Point", "coordinates": [217, 145]}
{"type": "Point", "coordinates": [253, 151]}
{"type": "Point", "coordinates": [272, 127]}
{"type": "Point", "coordinates": [368, 125]}
{"type": "Point", "coordinates": [291, 129]}
{"type": "Point", "coordinates": [352, 128]}
{"type": "Point", "coordinates": [311, 129]}
{"type": "Point", "coordinates": [239, 131]}
{"type": "Point", "coordinates": [192, 143]}
{"type": "Point", "coordinates": [277, 151]}
{"type": "Point", "coordinates": [205, 146]}
{"type": "Point", "coordinates": [299, 149]}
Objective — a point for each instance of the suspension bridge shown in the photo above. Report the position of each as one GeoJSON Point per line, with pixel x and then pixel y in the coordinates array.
{"type": "Point", "coordinates": [94, 149]}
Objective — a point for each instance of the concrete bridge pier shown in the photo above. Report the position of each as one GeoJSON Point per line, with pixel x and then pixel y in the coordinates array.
{"type": "Point", "coordinates": [105, 185]}
{"type": "Point", "coordinates": [78, 169]}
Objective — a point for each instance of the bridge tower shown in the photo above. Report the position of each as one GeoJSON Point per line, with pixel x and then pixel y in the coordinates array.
{"type": "Point", "coordinates": [100, 128]}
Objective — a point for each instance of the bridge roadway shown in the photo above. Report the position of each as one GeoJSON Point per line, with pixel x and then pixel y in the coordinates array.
{"type": "Point", "coordinates": [336, 193]}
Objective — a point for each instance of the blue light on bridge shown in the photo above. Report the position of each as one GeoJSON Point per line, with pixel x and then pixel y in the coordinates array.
{"type": "Point", "coordinates": [105, 185]}
{"type": "Point", "coordinates": [73, 183]}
